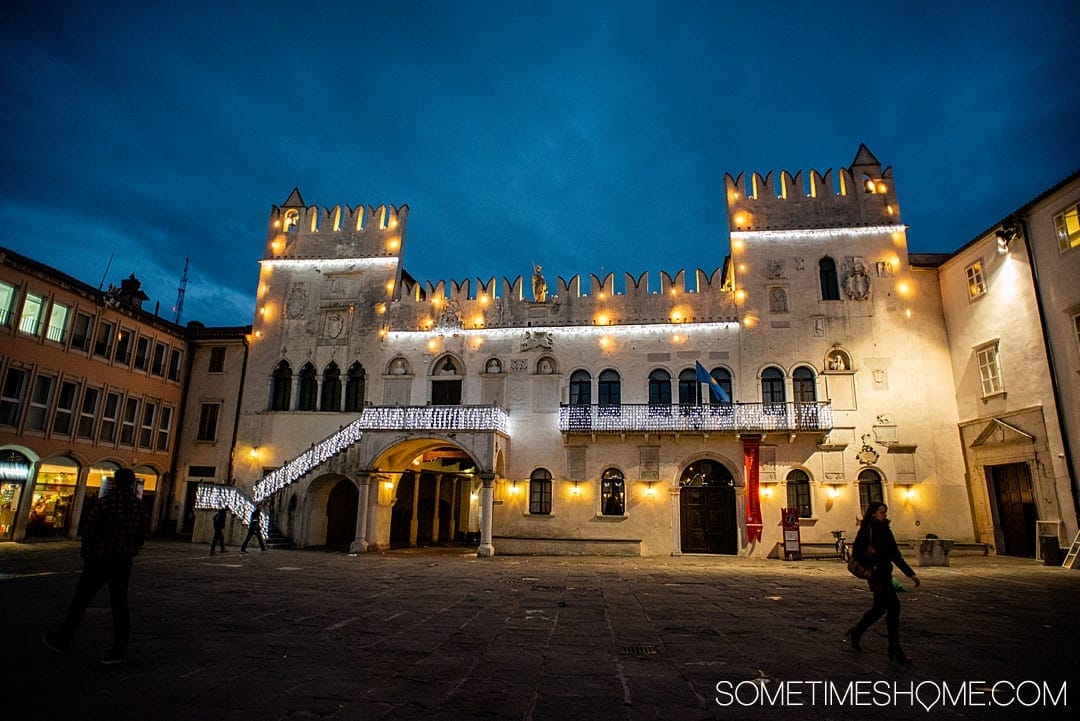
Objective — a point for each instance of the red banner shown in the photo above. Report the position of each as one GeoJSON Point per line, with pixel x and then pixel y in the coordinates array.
{"type": "Point", "coordinates": [751, 462]}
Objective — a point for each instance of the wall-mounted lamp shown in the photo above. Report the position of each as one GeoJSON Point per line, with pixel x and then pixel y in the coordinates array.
{"type": "Point", "coordinates": [1005, 236]}
{"type": "Point", "coordinates": [576, 490]}
{"type": "Point", "coordinates": [833, 492]}
{"type": "Point", "coordinates": [513, 488]}
{"type": "Point", "coordinates": [388, 485]}
{"type": "Point", "coordinates": [254, 452]}
{"type": "Point", "coordinates": [649, 489]}
{"type": "Point", "coordinates": [767, 491]}
{"type": "Point", "coordinates": [909, 493]}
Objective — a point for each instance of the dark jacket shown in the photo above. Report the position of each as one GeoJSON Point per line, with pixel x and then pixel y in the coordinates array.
{"type": "Point", "coordinates": [117, 525]}
{"type": "Point", "coordinates": [219, 520]}
{"type": "Point", "coordinates": [878, 536]}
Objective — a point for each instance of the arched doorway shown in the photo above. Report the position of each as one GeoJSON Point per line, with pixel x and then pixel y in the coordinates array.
{"type": "Point", "coordinates": [434, 499]}
{"type": "Point", "coordinates": [707, 509]}
{"type": "Point", "coordinates": [341, 507]}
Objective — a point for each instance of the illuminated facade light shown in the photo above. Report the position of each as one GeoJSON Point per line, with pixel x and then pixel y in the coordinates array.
{"type": "Point", "coordinates": [737, 237]}
{"type": "Point", "coordinates": [329, 264]}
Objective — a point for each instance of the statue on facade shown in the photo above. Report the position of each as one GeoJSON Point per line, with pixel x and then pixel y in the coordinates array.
{"type": "Point", "coordinates": [539, 285]}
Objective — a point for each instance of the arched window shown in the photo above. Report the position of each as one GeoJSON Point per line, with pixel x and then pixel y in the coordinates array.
{"type": "Point", "coordinates": [772, 386]}
{"type": "Point", "coordinates": [309, 388]}
{"type": "Point", "coordinates": [281, 391]}
{"type": "Point", "coordinates": [540, 492]}
{"type": "Point", "coordinates": [580, 388]}
{"type": "Point", "coordinates": [330, 400]}
{"type": "Point", "coordinates": [869, 489]}
{"type": "Point", "coordinates": [612, 493]}
{"type": "Point", "coordinates": [659, 388]}
{"type": "Point", "coordinates": [355, 388]}
{"type": "Point", "coordinates": [803, 386]}
{"type": "Point", "coordinates": [446, 382]}
{"type": "Point", "coordinates": [798, 492]}
{"type": "Point", "coordinates": [830, 286]}
{"type": "Point", "coordinates": [292, 220]}
{"type": "Point", "coordinates": [689, 388]}
{"type": "Point", "coordinates": [722, 376]}
{"type": "Point", "coordinates": [609, 391]}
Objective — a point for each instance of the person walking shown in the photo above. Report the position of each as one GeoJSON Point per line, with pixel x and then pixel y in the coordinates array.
{"type": "Point", "coordinates": [254, 529]}
{"type": "Point", "coordinates": [875, 548]}
{"type": "Point", "coordinates": [219, 530]}
{"type": "Point", "coordinates": [114, 533]}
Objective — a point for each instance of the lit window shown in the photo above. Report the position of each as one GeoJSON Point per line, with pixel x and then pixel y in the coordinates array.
{"type": "Point", "coordinates": [869, 489]}
{"type": "Point", "coordinates": [612, 493]}
{"type": "Point", "coordinates": [7, 297]}
{"type": "Point", "coordinates": [30, 322]}
{"type": "Point", "coordinates": [540, 492]}
{"type": "Point", "coordinates": [122, 355]}
{"type": "Point", "coordinates": [798, 492]}
{"type": "Point", "coordinates": [1067, 224]}
{"type": "Point", "coordinates": [58, 317]}
{"type": "Point", "coordinates": [989, 369]}
{"type": "Point", "coordinates": [976, 284]}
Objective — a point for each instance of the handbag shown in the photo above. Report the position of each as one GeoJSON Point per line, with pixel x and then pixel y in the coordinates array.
{"type": "Point", "coordinates": [857, 569]}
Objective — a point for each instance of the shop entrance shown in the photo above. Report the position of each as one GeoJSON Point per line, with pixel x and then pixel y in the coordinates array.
{"type": "Point", "coordinates": [707, 509]}
{"type": "Point", "coordinates": [1016, 511]}
{"type": "Point", "coordinates": [14, 471]}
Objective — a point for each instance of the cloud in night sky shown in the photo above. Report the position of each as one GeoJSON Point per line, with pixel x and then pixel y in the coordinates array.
{"type": "Point", "coordinates": [586, 137]}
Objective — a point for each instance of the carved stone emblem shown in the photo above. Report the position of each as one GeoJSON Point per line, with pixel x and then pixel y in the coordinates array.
{"type": "Point", "coordinates": [866, 455]}
{"type": "Point", "coordinates": [775, 269]}
{"type": "Point", "coordinates": [536, 339]}
{"type": "Point", "coordinates": [857, 280]}
{"type": "Point", "coordinates": [296, 303]}
{"type": "Point", "coordinates": [335, 324]}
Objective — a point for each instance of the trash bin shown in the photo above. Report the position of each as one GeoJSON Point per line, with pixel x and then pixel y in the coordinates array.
{"type": "Point", "coordinates": [1050, 550]}
{"type": "Point", "coordinates": [934, 551]}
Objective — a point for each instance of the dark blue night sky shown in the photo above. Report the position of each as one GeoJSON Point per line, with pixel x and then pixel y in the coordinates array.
{"type": "Point", "coordinates": [588, 137]}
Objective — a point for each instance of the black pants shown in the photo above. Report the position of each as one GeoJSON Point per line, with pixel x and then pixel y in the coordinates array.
{"type": "Point", "coordinates": [887, 604]}
{"type": "Point", "coordinates": [253, 532]}
{"type": "Point", "coordinates": [116, 572]}
{"type": "Point", "coordinates": [219, 539]}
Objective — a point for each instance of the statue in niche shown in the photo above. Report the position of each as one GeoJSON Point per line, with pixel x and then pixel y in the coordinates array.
{"type": "Point", "coordinates": [777, 300]}
{"type": "Point", "coordinates": [884, 269]}
{"type": "Point", "coordinates": [536, 339]}
{"type": "Point", "coordinates": [837, 362]}
{"type": "Point", "coordinates": [539, 285]}
{"type": "Point", "coordinates": [545, 367]}
{"type": "Point", "coordinates": [494, 366]}
{"type": "Point", "coordinates": [857, 280]}
{"type": "Point", "coordinates": [397, 367]}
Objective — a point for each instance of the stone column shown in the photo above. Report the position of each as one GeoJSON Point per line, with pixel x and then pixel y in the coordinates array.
{"type": "Point", "coordinates": [435, 517]}
{"type": "Point", "coordinates": [414, 524]}
{"type": "Point", "coordinates": [360, 544]}
{"type": "Point", "coordinates": [487, 500]}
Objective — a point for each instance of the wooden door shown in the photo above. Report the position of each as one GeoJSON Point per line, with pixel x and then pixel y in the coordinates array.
{"type": "Point", "coordinates": [1016, 509]}
{"type": "Point", "coordinates": [708, 519]}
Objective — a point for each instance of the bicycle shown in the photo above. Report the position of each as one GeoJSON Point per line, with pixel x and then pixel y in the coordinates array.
{"type": "Point", "coordinates": [843, 550]}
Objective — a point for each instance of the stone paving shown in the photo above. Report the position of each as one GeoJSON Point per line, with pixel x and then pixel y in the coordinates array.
{"type": "Point", "coordinates": [441, 634]}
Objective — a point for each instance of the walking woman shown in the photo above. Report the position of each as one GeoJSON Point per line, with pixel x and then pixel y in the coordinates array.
{"type": "Point", "coordinates": [876, 548]}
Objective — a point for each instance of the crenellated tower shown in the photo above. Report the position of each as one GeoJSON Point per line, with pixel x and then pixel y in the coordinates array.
{"type": "Point", "coordinates": [857, 196]}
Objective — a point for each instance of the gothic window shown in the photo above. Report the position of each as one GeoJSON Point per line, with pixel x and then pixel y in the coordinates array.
{"type": "Point", "coordinates": [281, 392]}
{"type": "Point", "coordinates": [659, 388]}
{"type": "Point", "coordinates": [540, 492]}
{"type": "Point", "coordinates": [869, 488]}
{"type": "Point", "coordinates": [830, 285]}
{"type": "Point", "coordinates": [330, 398]}
{"type": "Point", "coordinates": [689, 388]}
{"type": "Point", "coordinates": [612, 493]}
{"type": "Point", "coordinates": [798, 492]}
{"type": "Point", "coordinates": [580, 388]}
{"type": "Point", "coordinates": [309, 388]}
{"type": "Point", "coordinates": [609, 391]}
{"type": "Point", "coordinates": [354, 389]}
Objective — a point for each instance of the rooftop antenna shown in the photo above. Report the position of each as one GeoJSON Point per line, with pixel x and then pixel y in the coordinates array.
{"type": "Point", "coordinates": [180, 292]}
{"type": "Point", "coordinates": [106, 273]}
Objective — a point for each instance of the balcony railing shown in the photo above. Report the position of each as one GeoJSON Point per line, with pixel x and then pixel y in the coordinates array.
{"type": "Point", "coordinates": [434, 418]}
{"type": "Point", "coordinates": [723, 417]}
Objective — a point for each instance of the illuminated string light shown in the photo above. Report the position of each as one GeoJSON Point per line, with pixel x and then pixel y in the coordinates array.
{"type": "Point", "coordinates": [212, 496]}
{"type": "Point", "coordinates": [330, 264]}
{"type": "Point", "coordinates": [640, 329]}
{"type": "Point", "coordinates": [735, 418]}
{"type": "Point", "coordinates": [741, 235]}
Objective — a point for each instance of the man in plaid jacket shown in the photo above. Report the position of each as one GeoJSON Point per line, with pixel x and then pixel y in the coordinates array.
{"type": "Point", "coordinates": [114, 534]}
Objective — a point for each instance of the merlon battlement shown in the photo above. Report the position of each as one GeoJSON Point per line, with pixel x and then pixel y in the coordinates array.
{"type": "Point", "coordinates": [860, 195]}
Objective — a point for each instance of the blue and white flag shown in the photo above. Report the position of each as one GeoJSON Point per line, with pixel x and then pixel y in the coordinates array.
{"type": "Point", "coordinates": [719, 395]}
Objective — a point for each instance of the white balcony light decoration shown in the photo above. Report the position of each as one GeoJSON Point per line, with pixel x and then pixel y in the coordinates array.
{"type": "Point", "coordinates": [639, 329]}
{"type": "Point", "coordinates": [330, 264]}
{"type": "Point", "coordinates": [815, 232]}
{"type": "Point", "coordinates": [737, 417]}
